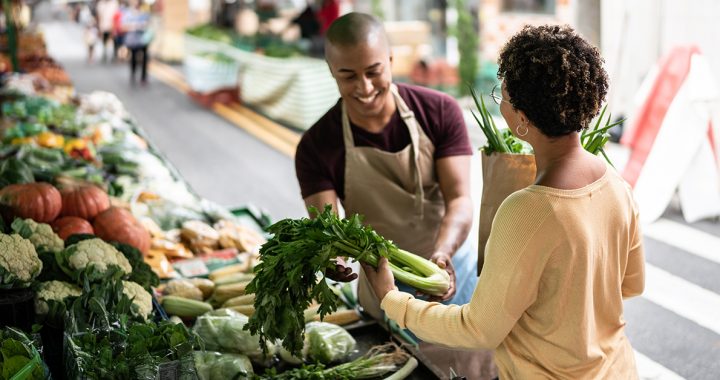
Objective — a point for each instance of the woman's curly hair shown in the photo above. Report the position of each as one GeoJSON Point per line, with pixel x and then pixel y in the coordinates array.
{"type": "Point", "coordinates": [555, 77]}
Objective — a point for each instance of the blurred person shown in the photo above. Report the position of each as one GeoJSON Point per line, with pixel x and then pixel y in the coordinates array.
{"type": "Point", "coordinates": [106, 10]}
{"type": "Point", "coordinates": [91, 38]}
{"type": "Point", "coordinates": [85, 15]}
{"type": "Point", "coordinates": [118, 31]}
{"type": "Point", "coordinates": [136, 23]}
{"type": "Point", "coordinates": [397, 154]}
{"type": "Point", "coordinates": [327, 14]}
{"type": "Point", "coordinates": [562, 253]}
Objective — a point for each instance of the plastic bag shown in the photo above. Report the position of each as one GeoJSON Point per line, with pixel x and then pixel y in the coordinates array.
{"type": "Point", "coordinates": [225, 333]}
{"type": "Point", "coordinates": [218, 366]}
{"type": "Point", "coordinates": [20, 359]}
{"type": "Point", "coordinates": [325, 343]}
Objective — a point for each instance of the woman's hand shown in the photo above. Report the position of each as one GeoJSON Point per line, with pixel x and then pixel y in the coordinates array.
{"type": "Point", "coordinates": [444, 261]}
{"type": "Point", "coordinates": [381, 279]}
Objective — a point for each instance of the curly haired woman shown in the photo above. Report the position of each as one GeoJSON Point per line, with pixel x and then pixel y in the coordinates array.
{"type": "Point", "coordinates": [563, 252]}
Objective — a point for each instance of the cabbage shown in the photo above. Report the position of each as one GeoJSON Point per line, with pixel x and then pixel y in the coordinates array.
{"type": "Point", "coordinates": [216, 366]}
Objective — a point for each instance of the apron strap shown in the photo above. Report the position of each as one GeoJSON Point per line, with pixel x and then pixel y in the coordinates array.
{"type": "Point", "coordinates": [347, 132]}
{"type": "Point", "coordinates": [408, 117]}
{"type": "Point", "coordinates": [411, 123]}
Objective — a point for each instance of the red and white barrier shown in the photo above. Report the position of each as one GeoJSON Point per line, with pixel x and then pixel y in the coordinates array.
{"type": "Point", "coordinates": [674, 140]}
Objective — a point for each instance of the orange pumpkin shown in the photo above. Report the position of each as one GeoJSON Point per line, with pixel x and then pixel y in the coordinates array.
{"type": "Point", "coordinates": [83, 200]}
{"type": "Point", "coordinates": [38, 201]}
{"type": "Point", "coordinates": [71, 225]}
{"type": "Point", "coordinates": [118, 224]}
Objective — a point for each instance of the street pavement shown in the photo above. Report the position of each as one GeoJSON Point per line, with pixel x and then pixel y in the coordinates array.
{"type": "Point", "coordinates": [674, 326]}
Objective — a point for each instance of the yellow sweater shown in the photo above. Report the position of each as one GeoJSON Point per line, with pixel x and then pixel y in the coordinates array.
{"type": "Point", "coordinates": [558, 264]}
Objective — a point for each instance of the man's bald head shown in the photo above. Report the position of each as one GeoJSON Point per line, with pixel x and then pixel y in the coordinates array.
{"type": "Point", "coordinates": [355, 28]}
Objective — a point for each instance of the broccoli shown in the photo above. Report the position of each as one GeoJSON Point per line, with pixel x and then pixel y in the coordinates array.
{"type": "Point", "coordinates": [19, 263]}
{"type": "Point", "coordinates": [142, 300]}
{"type": "Point", "coordinates": [91, 258]}
{"type": "Point", "coordinates": [53, 291]}
{"type": "Point", "coordinates": [41, 235]}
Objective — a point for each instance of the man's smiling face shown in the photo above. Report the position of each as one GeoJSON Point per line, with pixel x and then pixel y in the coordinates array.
{"type": "Point", "coordinates": [363, 76]}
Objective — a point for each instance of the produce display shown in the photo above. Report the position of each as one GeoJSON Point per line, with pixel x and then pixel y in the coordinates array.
{"type": "Point", "coordinates": [135, 276]}
{"type": "Point", "coordinates": [269, 45]}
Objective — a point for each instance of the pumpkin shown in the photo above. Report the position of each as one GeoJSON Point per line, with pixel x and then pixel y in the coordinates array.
{"type": "Point", "coordinates": [83, 200]}
{"type": "Point", "coordinates": [118, 224]}
{"type": "Point", "coordinates": [71, 225]}
{"type": "Point", "coordinates": [38, 201]}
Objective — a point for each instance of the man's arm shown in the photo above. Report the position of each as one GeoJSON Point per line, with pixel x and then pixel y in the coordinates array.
{"type": "Point", "coordinates": [454, 178]}
{"type": "Point", "coordinates": [322, 198]}
{"type": "Point", "coordinates": [342, 272]}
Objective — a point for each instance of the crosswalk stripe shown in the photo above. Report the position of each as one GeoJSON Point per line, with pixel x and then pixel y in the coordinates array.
{"type": "Point", "coordinates": [686, 238]}
{"type": "Point", "coordinates": [684, 298]}
{"type": "Point", "coordinates": [651, 370]}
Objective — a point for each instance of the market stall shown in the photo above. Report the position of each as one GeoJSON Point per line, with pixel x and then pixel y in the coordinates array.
{"type": "Point", "coordinates": [127, 272]}
{"type": "Point", "coordinates": [290, 88]}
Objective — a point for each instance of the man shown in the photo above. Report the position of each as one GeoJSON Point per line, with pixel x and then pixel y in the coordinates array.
{"type": "Point", "coordinates": [397, 154]}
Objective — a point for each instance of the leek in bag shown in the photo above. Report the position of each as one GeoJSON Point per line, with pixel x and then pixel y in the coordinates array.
{"type": "Point", "coordinates": [221, 366]}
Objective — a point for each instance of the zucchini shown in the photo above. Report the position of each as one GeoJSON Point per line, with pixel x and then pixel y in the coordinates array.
{"type": "Point", "coordinates": [184, 307]}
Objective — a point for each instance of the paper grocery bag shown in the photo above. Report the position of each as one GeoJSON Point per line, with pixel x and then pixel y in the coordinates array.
{"type": "Point", "coordinates": [503, 174]}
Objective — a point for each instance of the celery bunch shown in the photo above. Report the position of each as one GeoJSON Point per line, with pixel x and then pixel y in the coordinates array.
{"type": "Point", "coordinates": [286, 281]}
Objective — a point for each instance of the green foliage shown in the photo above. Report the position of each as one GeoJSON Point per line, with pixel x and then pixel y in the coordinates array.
{"type": "Point", "coordinates": [142, 273]}
{"type": "Point", "coordinates": [377, 9]}
{"type": "Point", "coordinates": [594, 139]}
{"type": "Point", "coordinates": [467, 38]}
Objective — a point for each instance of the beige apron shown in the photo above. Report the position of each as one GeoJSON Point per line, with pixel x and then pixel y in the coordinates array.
{"type": "Point", "coordinates": [398, 193]}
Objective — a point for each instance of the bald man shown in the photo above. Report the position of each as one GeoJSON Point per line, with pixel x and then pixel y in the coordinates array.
{"type": "Point", "coordinates": [397, 154]}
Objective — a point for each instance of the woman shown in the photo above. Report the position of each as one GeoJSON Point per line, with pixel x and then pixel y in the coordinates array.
{"type": "Point", "coordinates": [562, 253]}
{"type": "Point", "coordinates": [136, 22]}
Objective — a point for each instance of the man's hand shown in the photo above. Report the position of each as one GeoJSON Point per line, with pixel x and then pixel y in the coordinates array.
{"type": "Point", "coordinates": [381, 279]}
{"type": "Point", "coordinates": [444, 261]}
{"type": "Point", "coordinates": [341, 272]}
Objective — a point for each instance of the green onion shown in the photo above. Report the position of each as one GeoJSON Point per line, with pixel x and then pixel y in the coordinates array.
{"type": "Point", "coordinates": [378, 361]}
{"type": "Point", "coordinates": [594, 139]}
{"type": "Point", "coordinates": [500, 141]}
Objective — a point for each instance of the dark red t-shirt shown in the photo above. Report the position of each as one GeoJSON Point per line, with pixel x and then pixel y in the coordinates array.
{"type": "Point", "coordinates": [320, 156]}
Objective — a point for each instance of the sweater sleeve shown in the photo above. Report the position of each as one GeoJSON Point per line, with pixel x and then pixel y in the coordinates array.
{"type": "Point", "coordinates": [507, 286]}
{"type": "Point", "coordinates": [633, 282]}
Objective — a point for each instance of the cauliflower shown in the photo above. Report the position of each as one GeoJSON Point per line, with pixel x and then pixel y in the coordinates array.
{"type": "Point", "coordinates": [19, 263]}
{"type": "Point", "coordinates": [41, 235]}
{"type": "Point", "coordinates": [93, 254]}
{"type": "Point", "coordinates": [142, 300]}
{"type": "Point", "coordinates": [54, 291]}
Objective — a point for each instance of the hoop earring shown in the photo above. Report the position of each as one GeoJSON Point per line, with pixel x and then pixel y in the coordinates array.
{"type": "Point", "coordinates": [525, 131]}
